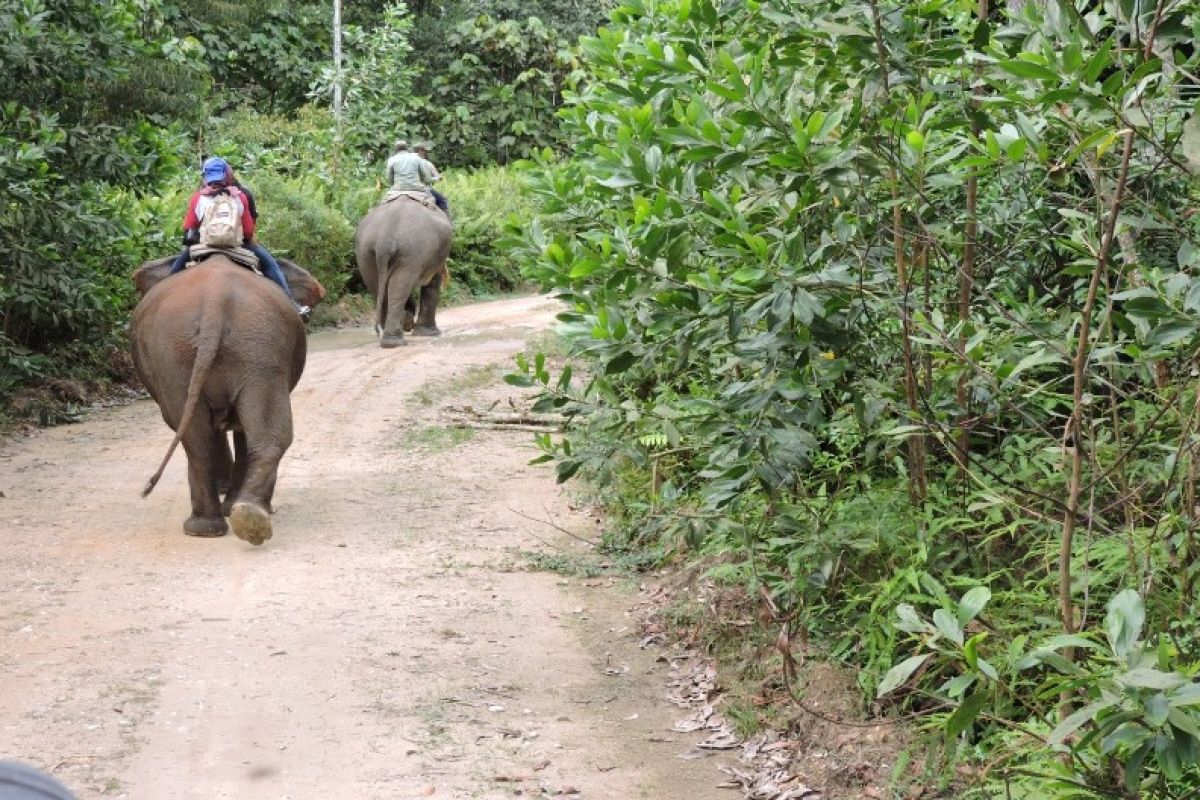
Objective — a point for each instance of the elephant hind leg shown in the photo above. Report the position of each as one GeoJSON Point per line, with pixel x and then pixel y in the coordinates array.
{"type": "Point", "coordinates": [203, 455]}
{"type": "Point", "coordinates": [222, 462]}
{"type": "Point", "coordinates": [267, 417]}
{"type": "Point", "coordinates": [241, 455]}
{"type": "Point", "coordinates": [400, 287]}
{"type": "Point", "coordinates": [431, 293]}
{"type": "Point", "coordinates": [410, 313]}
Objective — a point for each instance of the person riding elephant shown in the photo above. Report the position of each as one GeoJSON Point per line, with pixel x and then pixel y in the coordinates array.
{"type": "Point", "coordinates": [402, 245]}
{"type": "Point", "coordinates": [422, 149]}
{"type": "Point", "coordinates": [219, 349]}
{"type": "Point", "coordinates": [218, 179]}
{"type": "Point", "coordinates": [410, 171]}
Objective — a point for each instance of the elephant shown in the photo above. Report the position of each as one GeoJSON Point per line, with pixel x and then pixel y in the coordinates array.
{"type": "Point", "coordinates": [401, 246]}
{"type": "Point", "coordinates": [220, 348]}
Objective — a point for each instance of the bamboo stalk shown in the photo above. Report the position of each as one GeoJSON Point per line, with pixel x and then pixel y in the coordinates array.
{"type": "Point", "coordinates": [1073, 434]}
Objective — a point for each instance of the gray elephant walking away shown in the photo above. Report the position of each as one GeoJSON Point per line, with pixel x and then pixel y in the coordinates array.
{"type": "Point", "coordinates": [402, 246]}
{"type": "Point", "coordinates": [220, 349]}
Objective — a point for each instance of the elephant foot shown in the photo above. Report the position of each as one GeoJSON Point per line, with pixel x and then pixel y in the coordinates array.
{"type": "Point", "coordinates": [409, 321]}
{"type": "Point", "coordinates": [389, 341]}
{"type": "Point", "coordinates": [427, 330]}
{"type": "Point", "coordinates": [205, 527]}
{"type": "Point", "coordinates": [250, 522]}
{"type": "Point", "coordinates": [227, 507]}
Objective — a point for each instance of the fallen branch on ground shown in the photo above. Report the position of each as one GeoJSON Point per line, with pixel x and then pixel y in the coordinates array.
{"type": "Point", "coordinates": [500, 426]}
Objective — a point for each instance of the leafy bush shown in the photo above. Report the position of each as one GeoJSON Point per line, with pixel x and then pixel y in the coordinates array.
{"type": "Point", "coordinates": [495, 98]}
{"type": "Point", "coordinates": [265, 54]}
{"type": "Point", "coordinates": [297, 219]}
{"type": "Point", "coordinates": [482, 201]}
{"type": "Point", "coordinates": [899, 304]}
{"type": "Point", "coordinates": [376, 79]}
{"type": "Point", "coordinates": [70, 134]}
{"type": "Point", "coordinates": [300, 145]}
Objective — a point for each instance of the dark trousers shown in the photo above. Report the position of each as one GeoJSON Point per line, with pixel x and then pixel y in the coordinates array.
{"type": "Point", "coordinates": [270, 267]}
{"type": "Point", "coordinates": [440, 199]}
{"type": "Point", "coordinates": [180, 262]}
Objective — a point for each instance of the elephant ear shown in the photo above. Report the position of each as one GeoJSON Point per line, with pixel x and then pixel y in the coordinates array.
{"type": "Point", "coordinates": [307, 290]}
{"type": "Point", "coordinates": [150, 273]}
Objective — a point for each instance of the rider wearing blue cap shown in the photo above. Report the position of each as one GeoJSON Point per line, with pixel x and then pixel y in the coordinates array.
{"type": "Point", "coordinates": [218, 179]}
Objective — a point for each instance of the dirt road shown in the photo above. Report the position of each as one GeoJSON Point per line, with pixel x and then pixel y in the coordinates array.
{"type": "Point", "coordinates": [389, 642]}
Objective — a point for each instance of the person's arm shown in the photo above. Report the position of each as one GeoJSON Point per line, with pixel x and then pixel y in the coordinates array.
{"type": "Point", "coordinates": [426, 172]}
{"type": "Point", "coordinates": [191, 222]}
{"type": "Point", "coordinates": [248, 221]}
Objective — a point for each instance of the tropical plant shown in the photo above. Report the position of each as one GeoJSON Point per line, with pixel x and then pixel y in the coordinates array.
{"type": "Point", "coordinates": [76, 152]}
{"type": "Point", "coordinates": [891, 299]}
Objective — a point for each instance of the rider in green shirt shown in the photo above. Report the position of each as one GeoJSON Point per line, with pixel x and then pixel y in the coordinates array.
{"type": "Point", "coordinates": [410, 171]}
{"type": "Point", "coordinates": [407, 171]}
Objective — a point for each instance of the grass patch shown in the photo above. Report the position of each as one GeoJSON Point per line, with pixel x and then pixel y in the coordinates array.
{"type": "Point", "coordinates": [554, 346]}
{"type": "Point", "coordinates": [436, 438]}
{"type": "Point", "coordinates": [349, 310]}
{"type": "Point", "coordinates": [575, 565]}
{"type": "Point", "coordinates": [457, 386]}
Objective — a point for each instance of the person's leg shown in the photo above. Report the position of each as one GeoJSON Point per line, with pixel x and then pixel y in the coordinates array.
{"type": "Point", "coordinates": [180, 261]}
{"type": "Point", "coordinates": [440, 199]}
{"type": "Point", "coordinates": [270, 267]}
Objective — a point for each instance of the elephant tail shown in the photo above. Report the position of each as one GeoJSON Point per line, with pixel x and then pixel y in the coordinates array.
{"type": "Point", "coordinates": [206, 353]}
{"type": "Point", "coordinates": [381, 303]}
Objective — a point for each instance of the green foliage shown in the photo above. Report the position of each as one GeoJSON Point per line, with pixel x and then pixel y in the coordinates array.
{"type": "Point", "coordinates": [297, 220]}
{"type": "Point", "coordinates": [435, 18]}
{"type": "Point", "coordinates": [301, 144]}
{"type": "Point", "coordinates": [494, 100]}
{"type": "Point", "coordinates": [75, 151]}
{"type": "Point", "coordinates": [1138, 698]}
{"type": "Point", "coordinates": [265, 54]}
{"type": "Point", "coordinates": [482, 201]}
{"type": "Point", "coordinates": [762, 239]}
{"type": "Point", "coordinates": [376, 79]}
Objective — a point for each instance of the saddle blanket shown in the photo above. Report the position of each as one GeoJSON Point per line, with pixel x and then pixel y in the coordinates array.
{"type": "Point", "coordinates": [238, 255]}
{"type": "Point", "coordinates": [424, 198]}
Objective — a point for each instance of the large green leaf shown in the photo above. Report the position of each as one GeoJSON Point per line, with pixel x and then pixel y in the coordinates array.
{"type": "Point", "coordinates": [897, 675]}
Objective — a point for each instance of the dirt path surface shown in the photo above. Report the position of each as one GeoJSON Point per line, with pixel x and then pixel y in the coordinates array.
{"type": "Point", "coordinates": [389, 642]}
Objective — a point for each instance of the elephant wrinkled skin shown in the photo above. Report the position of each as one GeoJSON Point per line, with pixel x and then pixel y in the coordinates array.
{"type": "Point", "coordinates": [220, 348]}
{"type": "Point", "coordinates": [402, 246]}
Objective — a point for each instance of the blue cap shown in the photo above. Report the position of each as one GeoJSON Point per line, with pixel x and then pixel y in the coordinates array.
{"type": "Point", "coordinates": [214, 170]}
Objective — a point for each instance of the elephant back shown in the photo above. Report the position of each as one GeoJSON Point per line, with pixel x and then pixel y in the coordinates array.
{"type": "Point", "coordinates": [405, 223]}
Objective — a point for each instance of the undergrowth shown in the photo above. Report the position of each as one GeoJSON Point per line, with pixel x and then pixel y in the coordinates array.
{"type": "Point", "coordinates": [888, 312]}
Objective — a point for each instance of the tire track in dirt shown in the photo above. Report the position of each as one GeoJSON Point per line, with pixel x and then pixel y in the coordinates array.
{"type": "Point", "coordinates": [387, 643]}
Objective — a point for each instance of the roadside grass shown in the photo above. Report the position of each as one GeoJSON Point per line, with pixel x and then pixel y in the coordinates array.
{"type": "Point", "coordinates": [435, 438]}
{"type": "Point", "coordinates": [457, 386]}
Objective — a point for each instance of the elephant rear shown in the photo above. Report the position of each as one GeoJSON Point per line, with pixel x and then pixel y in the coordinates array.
{"type": "Point", "coordinates": [400, 246]}
{"type": "Point", "coordinates": [220, 349]}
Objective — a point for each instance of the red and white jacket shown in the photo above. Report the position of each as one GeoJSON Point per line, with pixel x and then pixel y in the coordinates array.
{"type": "Point", "coordinates": [203, 198]}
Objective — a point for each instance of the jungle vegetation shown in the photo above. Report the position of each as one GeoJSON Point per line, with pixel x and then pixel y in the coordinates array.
{"type": "Point", "coordinates": [889, 310]}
